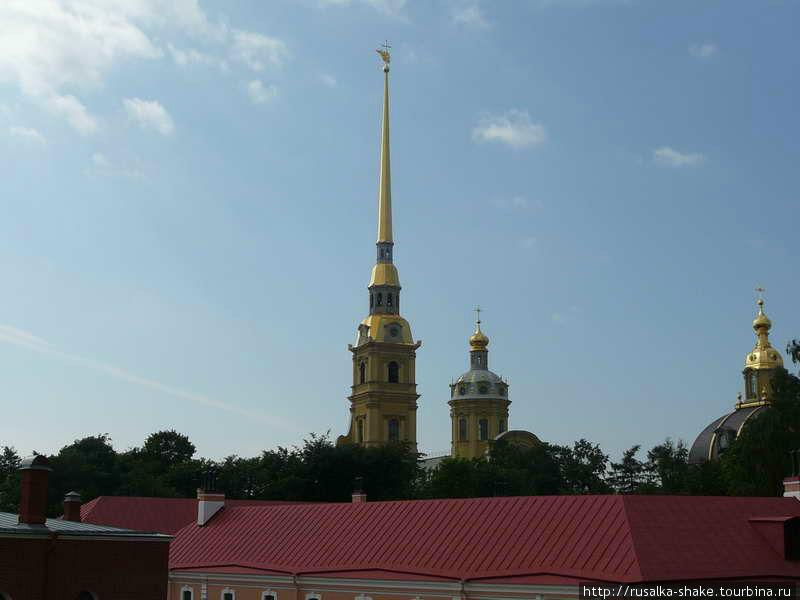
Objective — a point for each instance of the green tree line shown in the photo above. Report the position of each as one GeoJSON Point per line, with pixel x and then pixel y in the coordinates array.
{"type": "Point", "coordinates": [318, 471]}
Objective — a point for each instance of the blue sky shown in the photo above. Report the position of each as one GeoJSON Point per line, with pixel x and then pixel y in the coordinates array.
{"type": "Point", "coordinates": [189, 206]}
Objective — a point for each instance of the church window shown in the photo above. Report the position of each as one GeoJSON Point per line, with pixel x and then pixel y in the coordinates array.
{"type": "Point", "coordinates": [269, 595]}
{"type": "Point", "coordinates": [501, 390]}
{"type": "Point", "coordinates": [462, 430]}
{"type": "Point", "coordinates": [380, 299]}
{"type": "Point", "coordinates": [228, 594]}
{"type": "Point", "coordinates": [483, 429]}
{"type": "Point", "coordinates": [362, 372]}
{"type": "Point", "coordinates": [483, 389]}
{"type": "Point", "coordinates": [462, 390]}
{"type": "Point", "coordinates": [186, 593]}
{"type": "Point", "coordinates": [389, 300]}
{"type": "Point", "coordinates": [752, 381]}
{"type": "Point", "coordinates": [501, 426]}
{"type": "Point", "coordinates": [394, 372]}
{"type": "Point", "coordinates": [360, 430]}
{"type": "Point", "coordinates": [394, 430]}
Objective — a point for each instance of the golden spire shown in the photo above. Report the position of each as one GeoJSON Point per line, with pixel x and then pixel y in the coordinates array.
{"type": "Point", "coordinates": [478, 340]}
{"type": "Point", "coordinates": [385, 193]}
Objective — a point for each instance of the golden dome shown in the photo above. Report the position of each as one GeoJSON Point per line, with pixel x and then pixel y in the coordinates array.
{"type": "Point", "coordinates": [763, 355]}
{"type": "Point", "coordinates": [478, 340]}
{"type": "Point", "coordinates": [761, 319]}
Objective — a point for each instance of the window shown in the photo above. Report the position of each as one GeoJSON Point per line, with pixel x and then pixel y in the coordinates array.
{"type": "Point", "coordinates": [483, 389]}
{"type": "Point", "coordinates": [483, 429]}
{"type": "Point", "coordinates": [462, 430]}
{"type": "Point", "coordinates": [462, 390]}
{"type": "Point", "coordinates": [228, 594]}
{"type": "Point", "coordinates": [394, 372]}
{"type": "Point", "coordinates": [752, 381]}
{"type": "Point", "coordinates": [380, 299]}
{"type": "Point", "coordinates": [501, 426]}
{"type": "Point", "coordinates": [394, 430]}
{"type": "Point", "coordinates": [269, 595]}
{"type": "Point", "coordinates": [371, 300]}
{"type": "Point", "coordinates": [314, 596]}
{"type": "Point", "coordinates": [187, 593]}
{"type": "Point", "coordinates": [362, 372]}
{"type": "Point", "coordinates": [360, 430]}
{"type": "Point", "coordinates": [389, 300]}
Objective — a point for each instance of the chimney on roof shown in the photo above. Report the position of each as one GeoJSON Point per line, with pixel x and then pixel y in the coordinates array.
{"type": "Point", "coordinates": [358, 491]}
{"type": "Point", "coordinates": [34, 472]}
{"type": "Point", "coordinates": [208, 504]}
{"type": "Point", "coordinates": [72, 507]}
{"type": "Point", "coordinates": [791, 485]}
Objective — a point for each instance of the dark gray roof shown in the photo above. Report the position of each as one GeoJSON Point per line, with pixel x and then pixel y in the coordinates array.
{"type": "Point", "coordinates": [9, 523]}
{"type": "Point", "coordinates": [711, 440]}
{"type": "Point", "coordinates": [476, 375]}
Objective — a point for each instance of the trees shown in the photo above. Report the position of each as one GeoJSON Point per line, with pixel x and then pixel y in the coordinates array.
{"type": "Point", "coordinates": [9, 479]}
{"type": "Point", "coordinates": [583, 468]}
{"type": "Point", "coordinates": [758, 460]}
{"type": "Point", "coordinates": [628, 475]}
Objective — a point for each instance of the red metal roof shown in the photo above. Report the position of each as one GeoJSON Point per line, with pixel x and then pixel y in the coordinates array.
{"type": "Point", "coordinates": [163, 515]}
{"type": "Point", "coordinates": [608, 538]}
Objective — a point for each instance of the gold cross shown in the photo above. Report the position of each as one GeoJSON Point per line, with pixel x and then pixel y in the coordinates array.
{"type": "Point", "coordinates": [478, 310]}
{"type": "Point", "coordinates": [386, 46]}
{"type": "Point", "coordinates": [760, 291]}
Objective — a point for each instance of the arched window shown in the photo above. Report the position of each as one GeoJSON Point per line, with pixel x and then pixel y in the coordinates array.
{"type": "Point", "coordinates": [228, 594]}
{"type": "Point", "coordinates": [752, 388]}
{"type": "Point", "coordinates": [394, 430]}
{"type": "Point", "coordinates": [394, 372]}
{"type": "Point", "coordinates": [501, 426]}
{"type": "Point", "coordinates": [462, 390]}
{"type": "Point", "coordinates": [380, 299]}
{"type": "Point", "coordinates": [462, 430]}
{"type": "Point", "coordinates": [187, 593]}
{"type": "Point", "coordinates": [483, 429]}
{"type": "Point", "coordinates": [362, 372]}
{"type": "Point", "coordinates": [389, 300]}
{"type": "Point", "coordinates": [269, 595]}
{"type": "Point", "coordinates": [360, 430]}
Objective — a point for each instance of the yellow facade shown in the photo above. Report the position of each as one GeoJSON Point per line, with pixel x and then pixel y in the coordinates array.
{"type": "Point", "coordinates": [478, 403]}
{"type": "Point", "coordinates": [383, 402]}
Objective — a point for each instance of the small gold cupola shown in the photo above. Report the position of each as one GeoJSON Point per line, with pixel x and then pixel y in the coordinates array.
{"type": "Point", "coordinates": [761, 362]}
{"type": "Point", "coordinates": [478, 340]}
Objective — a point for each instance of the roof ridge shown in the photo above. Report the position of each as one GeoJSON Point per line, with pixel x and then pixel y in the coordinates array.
{"type": "Point", "coordinates": [629, 522]}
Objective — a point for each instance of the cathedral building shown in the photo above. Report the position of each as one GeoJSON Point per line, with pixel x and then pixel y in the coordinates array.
{"type": "Point", "coordinates": [383, 403]}
{"type": "Point", "coordinates": [760, 366]}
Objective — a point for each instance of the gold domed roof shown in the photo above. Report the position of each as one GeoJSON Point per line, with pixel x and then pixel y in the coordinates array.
{"type": "Point", "coordinates": [478, 340]}
{"type": "Point", "coordinates": [763, 355]}
{"type": "Point", "coordinates": [761, 319]}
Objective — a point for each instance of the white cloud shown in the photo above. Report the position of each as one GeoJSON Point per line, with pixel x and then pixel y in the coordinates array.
{"type": "Point", "coordinates": [528, 243]}
{"type": "Point", "coordinates": [57, 51]}
{"type": "Point", "coordinates": [28, 135]}
{"type": "Point", "coordinates": [667, 157]}
{"type": "Point", "coordinates": [260, 93]}
{"type": "Point", "coordinates": [470, 15]}
{"type": "Point", "coordinates": [195, 57]}
{"type": "Point", "coordinates": [328, 80]}
{"type": "Point", "coordinates": [517, 202]}
{"type": "Point", "coordinates": [704, 50]}
{"type": "Point", "coordinates": [392, 8]}
{"type": "Point", "coordinates": [100, 160]}
{"type": "Point", "coordinates": [254, 49]}
{"type": "Point", "coordinates": [513, 128]}
{"type": "Point", "coordinates": [149, 114]}
{"type": "Point", "coordinates": [73, 111]}
{"type": "Point", "coordinates": [103, 166]}
{"type": "Point", "coordinates": [18, 337]}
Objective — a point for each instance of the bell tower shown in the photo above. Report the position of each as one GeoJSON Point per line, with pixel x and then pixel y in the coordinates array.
{"type": "Point", "coordinates": [760, 363]}
{"type": "Point", "coordinates": [383, 402]}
